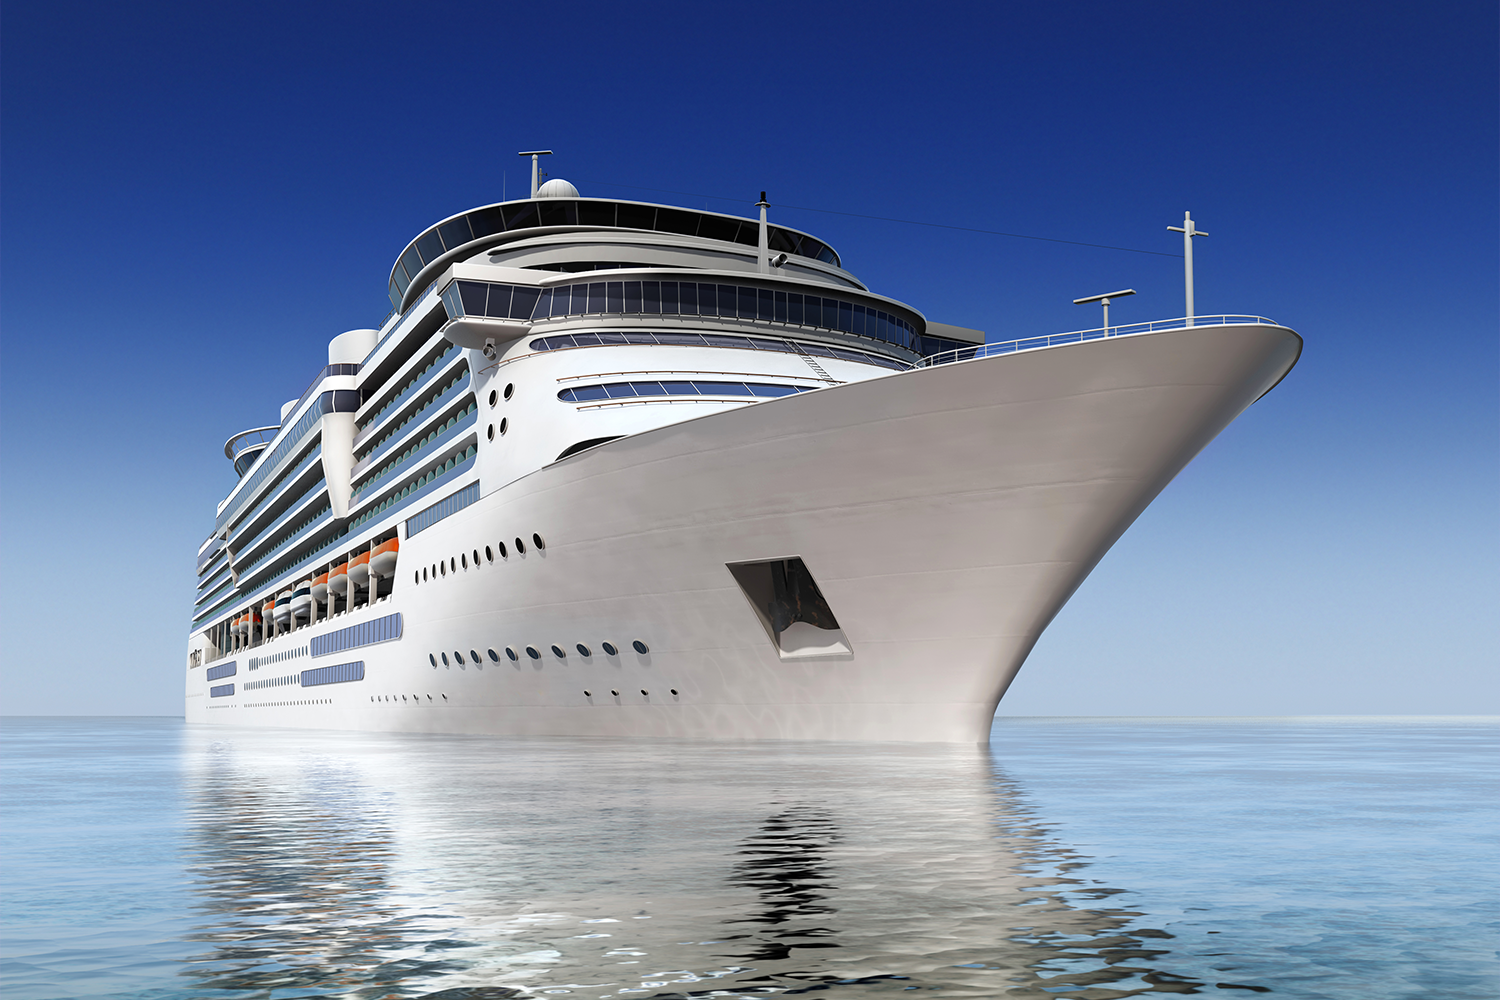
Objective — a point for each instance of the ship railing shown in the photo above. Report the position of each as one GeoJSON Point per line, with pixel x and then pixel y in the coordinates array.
{"type": "Point", "coordinates": [1079, 336]}
{"type": "Point", "coordinates": [244, 439]}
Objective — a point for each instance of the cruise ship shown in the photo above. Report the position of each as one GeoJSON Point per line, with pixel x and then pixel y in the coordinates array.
{"type": "Point", "coordinates": [625, 469]}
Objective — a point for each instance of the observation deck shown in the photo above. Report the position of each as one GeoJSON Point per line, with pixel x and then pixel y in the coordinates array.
{"type": "Point", "coordinates": [245, 447]}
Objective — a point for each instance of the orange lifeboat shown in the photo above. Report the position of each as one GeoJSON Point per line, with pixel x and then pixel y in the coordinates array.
{"type": "Point", "coordinates": [383, 559]}
{"type": "Point", "coordinates": [242, 624]}
{"type": "Point", "coordinates": [338, 579]}
{"type": "Point", "coordinates": [320, 588]}
{"type": "Point", "coordinates": [359, 569]}
{"type": "Point", "coordinates": [268, 610]}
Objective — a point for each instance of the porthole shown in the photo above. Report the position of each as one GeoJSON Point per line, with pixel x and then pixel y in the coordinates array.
{"type": "Point", "coordinates": [476, 558]}
{"type": "Point", "coordinates": [510, 388]}
{"type": "Point", "coordinates": [465, 560]}
{"type": "Point", "coordinates": [443, 568]}
{"type": "Point", "coordinates": [453, 564]}
{"type": "Point", "coordinates": [458, 657]}
{"type": "Point", "coordinates": [424, 572]}
{"type": "Point", "coordinates": [520, 547]}
{"type": "Point", "coordinates": [445, 659]}
{"type": "Point", "coordinates": [511, 652]}
{"type": "Point", "coordinates": [641, 647]}
{"type": "Point", "coordinates": [491, 432]}
{"type": "Point", "coordinates": [537, 541]}
{"type": "Point", "coordinates": [584, 650]}
{"type": "Point", "coordinates": [557, 651]}
{"type": "Point", "coordinates": [609, 649]}
{"type": "Point", "coordinates": [503, 554]}
{"type": "Point", "coordinates": [432, 659]}
{"type": "Point", "coordinates": [489, 554]}
{"type": "Point", "coordinates": [587, 693]}
{"type": "Point", "coordinates": [416, 577]}
{"type": "Point", "coordinates": [494, 656]}
{"type": "Point", "coordinates": [504, 425]}
{"type": "Point", "coordinates": [494, 397]}
{"type": "Point", "coordinates": [531, 652]}
{"type": "Point", "coordinates": [614, 692]}
{"type": "Point", "coordinates": [674, 692]}
{"type": "Point", "coordinates": [645, 693]}
{"type": "Point", "coordinates": [473, 656]}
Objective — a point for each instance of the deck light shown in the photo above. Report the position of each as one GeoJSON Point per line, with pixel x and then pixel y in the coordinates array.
{"type": "Point", "coordinates": [1105, 300]}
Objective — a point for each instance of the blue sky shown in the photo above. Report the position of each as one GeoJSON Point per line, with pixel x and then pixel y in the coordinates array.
{"type": "Point", "coordinates": [194, 199]}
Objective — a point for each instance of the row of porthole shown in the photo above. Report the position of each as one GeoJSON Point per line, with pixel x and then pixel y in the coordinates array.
{"type": "Point", "coordinates": [288, 704]}
{"type": "Point", "coordinates": [504, 426]}
{"type": "Point", "coordinates": [531, 651]}
{"type": "Point", "coordinates": [393, 697]}
{"type": "Point", "coordinates": [462, 559]}
{"type": "Point", "coordinates": [510, 390]}
{"type": "Point", "coordinates": [644, 693]}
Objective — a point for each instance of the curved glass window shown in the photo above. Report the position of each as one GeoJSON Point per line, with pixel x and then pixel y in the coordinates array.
{"type": "Point", "coordinates": [565, 340]}
{"type": "Point", "coordinates": [493, 219]}
{"type": "Point", "coordinates": [632, 390]}
{"type": "Point", "coordinates": [678, 298]}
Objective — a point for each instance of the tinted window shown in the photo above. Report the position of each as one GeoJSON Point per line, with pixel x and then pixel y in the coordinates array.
{"type": "Point", "coordinates": [687, 291]}
{"type": "Point", "coordinates": [670, 220]}
{"type": "Point", "coordinates": [723, 389]}
{"type": "Point", "coordinates": [680, 388]}
{"type": "Point", "coordinates": [669, 298]}
{"type": "Point", "coordinates": [523, 301]}
{"type": "Point", "coordinates": [412, 262]}
{"type": "Point", "coordinates": [430, 246]}
{"type": "Point", "coordinates": [651, 297]}
{"type": "Point", "coordinates": [636, 217]}
{"type": "Point", "coordinates": [619, 390]}
{"type": "Point", "coordinates": [649, 389]}
{"type": "Point", "coordinates": [715, 228]}
{"type": "Point", "coordinates": [632, 297]}
{"type": "Point", "coordinates": [499, 304]}
{"type": "Point", "coordinates": [766, 305]}
{"type": "Point", "coordinates": [522, 216]}
{"type": "Point", "coordinates": [729, 302]}
{"type": "Point", "coordinates": [473, 295]}
{"type": "Point", "coordinates": [456, 233]}
{"type": "Point", "coordinates": [552, 212]}
{"type": "Point", "coordinates": [616, 298]}
{"type": "Point", "coordinates": [781, 241]}
{"type": "Point", "coordinates": [596, 213]}
{"type": "Point", "coordinates": [794, 309]}
{"type": "Point", "coordinates": [596, 298]}
{"type": "Point", "coordinates": [486, 222]}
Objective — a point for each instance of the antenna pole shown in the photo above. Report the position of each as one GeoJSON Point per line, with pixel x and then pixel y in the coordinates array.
{"type": "Point", "coordinates": [535, 154]}
{"type": "Point", "coordinates": [763, 253]}
{"type": "Point", "coordinates": [1188, 231]}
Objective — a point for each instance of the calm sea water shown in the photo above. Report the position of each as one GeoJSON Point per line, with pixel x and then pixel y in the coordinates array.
{"type": "Point", "coordinates": [1071, 858]}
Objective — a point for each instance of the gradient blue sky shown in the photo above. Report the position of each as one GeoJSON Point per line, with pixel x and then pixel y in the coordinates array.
{"type": "Point", "coordinates": [197, 197]}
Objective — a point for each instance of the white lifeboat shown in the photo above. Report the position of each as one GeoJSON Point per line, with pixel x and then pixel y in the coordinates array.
{"type": "Point", "coordinates": [302, 599]}
{"type": "Point", "coordinates": [383, 559]}
{"type": "Point", "coordinates": [359, 569]}
{"type": "Point", "coordinates": [283, 607]}
{"type": "Point", "coordinates": [320, 588]}
{"type": "Point", "coordinates": [338, 579]}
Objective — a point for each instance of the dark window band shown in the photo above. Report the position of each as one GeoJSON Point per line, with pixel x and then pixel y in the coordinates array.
{"type": "Point", "coordinates": [632, 390]}
{"type": "Point", "coordinates": [588, 212]}
{"type": "Point", "coordinates": [561, 341]}
{"type": "Point", "coordinates": [677, 298]}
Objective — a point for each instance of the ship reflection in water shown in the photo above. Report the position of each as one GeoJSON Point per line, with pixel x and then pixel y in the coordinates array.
{"type": "Point", "coordinates": [362, 865]}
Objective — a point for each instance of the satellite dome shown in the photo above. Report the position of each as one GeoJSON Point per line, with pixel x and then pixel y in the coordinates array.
{"type": "Point", "coordinates": [557, 188]}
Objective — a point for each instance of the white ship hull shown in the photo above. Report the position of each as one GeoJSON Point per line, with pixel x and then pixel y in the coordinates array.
{"type": "Point", "coordinates": [947, 514]}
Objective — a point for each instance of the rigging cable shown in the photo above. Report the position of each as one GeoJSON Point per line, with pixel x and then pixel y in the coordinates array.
{"type": "Point", "coordinates": [908, 222]}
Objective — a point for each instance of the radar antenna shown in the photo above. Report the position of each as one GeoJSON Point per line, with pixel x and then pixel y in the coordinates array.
{"type": "Point", "coordinates": [534, 154]}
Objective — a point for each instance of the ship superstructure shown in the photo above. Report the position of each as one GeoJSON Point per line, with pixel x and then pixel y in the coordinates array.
{"type": "Point", "coordinates": [615, 467]}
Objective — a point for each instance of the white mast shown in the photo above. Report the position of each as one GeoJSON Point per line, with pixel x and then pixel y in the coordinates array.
{"type": "Point", "coordinates": [1188, 231]}
{"type": "Point", "coordinates": [763, 256]}
{"type": "Point", "coordinates": [534, 154]}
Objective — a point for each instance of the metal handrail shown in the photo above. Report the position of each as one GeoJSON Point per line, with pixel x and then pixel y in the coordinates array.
{"type": "Point", "coordinates": [1078, 336]}
{"type": "Point", "coordinates": [231, 452]}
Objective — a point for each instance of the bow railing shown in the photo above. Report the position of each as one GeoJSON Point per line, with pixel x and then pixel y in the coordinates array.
{"type": "Point", "coordinates": [1078, 336]}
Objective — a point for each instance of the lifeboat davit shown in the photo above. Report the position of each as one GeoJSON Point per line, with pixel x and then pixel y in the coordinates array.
{"type": "Point", "coordinates": [338, 579]}
{"type": "Point", "coordinates": [283, 607]}
{"type": "Point", "coordinates": [302, 599]}
{"type": "Point", "coordinates": [320, 588]}
{"type": "Point", "coordinates": [383, 559]}
{"type": "Point", "coordinates": [359, 569]}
